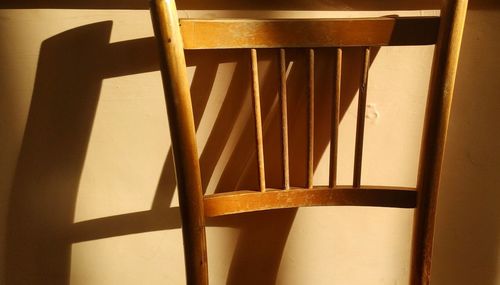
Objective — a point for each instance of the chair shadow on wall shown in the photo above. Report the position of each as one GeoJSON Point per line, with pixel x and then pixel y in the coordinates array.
{"type": "Point", "coordinates": [70, 71]}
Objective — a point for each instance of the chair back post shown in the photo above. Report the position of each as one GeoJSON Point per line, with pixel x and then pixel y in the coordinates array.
{"type": "Point", "coordinates": [434, 136]}
{"type": "Point", "coordinates": [182, 129]}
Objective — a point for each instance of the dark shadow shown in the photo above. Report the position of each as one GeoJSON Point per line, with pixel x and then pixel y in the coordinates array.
{"type": "Point", "coordinates": [40, 224]}
{"type": "Point", "coordinates": [43, 197]}
{"type": "Point", "coordinates": [317, 5]}
{"type": "Point", "coordinates": [226, 5]}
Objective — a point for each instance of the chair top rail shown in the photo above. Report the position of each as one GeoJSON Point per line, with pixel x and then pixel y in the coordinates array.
{"type": "Point", "coordinates": [300, 33]}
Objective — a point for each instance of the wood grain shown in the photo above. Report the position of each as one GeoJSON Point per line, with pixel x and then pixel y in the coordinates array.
{"type": "Point", "coordinates": [259, 142]}
{"type": "Point", "coordinates": [245, 33]}
{"type": "Point", "coordinates": [182, 130]}
{"type": "Point", "coordinates": [434, 136]}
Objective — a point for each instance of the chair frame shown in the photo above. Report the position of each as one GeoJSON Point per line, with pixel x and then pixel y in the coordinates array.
{"type": "Point", "coordinates": [174, 37]}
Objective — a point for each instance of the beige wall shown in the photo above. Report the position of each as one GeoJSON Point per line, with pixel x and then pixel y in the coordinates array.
{"type": "Point", "coordinates": [87, 189]}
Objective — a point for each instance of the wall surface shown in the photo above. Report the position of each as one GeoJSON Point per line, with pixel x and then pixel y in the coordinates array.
{"type": "Point", "coordinates": [87, 186]}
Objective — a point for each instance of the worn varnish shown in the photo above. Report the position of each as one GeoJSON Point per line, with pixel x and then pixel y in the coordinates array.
{"type": "Point", "coordinates": [250, 201]}
{"type": "Point", "coordinates": [182, 131]}
{"type": "Point", "coordinates": [244, 33]}
{"type": "Point", "coordinates": [434, 136]}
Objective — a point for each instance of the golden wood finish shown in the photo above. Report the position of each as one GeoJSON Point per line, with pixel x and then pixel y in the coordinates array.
{"type": "Point", "coordinates": [434, 136]}
{"type": "Point", "coordinates": [257, 120]}
{"type": "Point", "coordinates": [284, 120]}
{"type": "Point", "coordinates": [180, 117]}
{"type": "Point", "coordinates": [250, 201]}
{"type": "Point", "coordinates": [360, 126]}
{"type": "Point", "coordinates": [244, 33]}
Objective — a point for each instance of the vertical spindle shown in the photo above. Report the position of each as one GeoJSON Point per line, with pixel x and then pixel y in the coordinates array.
{"type": "Point", "coordinates": [310, 120]}
{"type": "Point", "coordinates": [360, 127]}
{"type": "Point", "coordinates": [284, 120]}
{"type": "Point", "coordinates": [332, 181]}
{"type": "Point", "coordinates": [258, 121]}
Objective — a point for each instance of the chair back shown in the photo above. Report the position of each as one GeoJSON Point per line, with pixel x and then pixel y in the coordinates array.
{"type": "Point", "coordinates": [175, 36]}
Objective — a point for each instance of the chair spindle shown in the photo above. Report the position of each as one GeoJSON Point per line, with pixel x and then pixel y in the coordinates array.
{"type": "Point", "coordinates": [332, 182]}
{"type": "Point", "coordinates": [284, 120]}
{"type": "Point", "coordinates": [360, 126]}
{"type": "Point", "coordinates": [258, 120]}
{"type": "Point", "coordinates": [310, 120]}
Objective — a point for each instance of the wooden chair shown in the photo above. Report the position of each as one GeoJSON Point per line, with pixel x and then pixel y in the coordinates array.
{"type": "Point", "coordinates": [175, 36]}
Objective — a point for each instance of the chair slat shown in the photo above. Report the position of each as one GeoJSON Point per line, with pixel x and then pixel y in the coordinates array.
{"type": "Point", "coordinates": [284, 120]}
{"type": "Point", "coordinates": [310, 119]}
{"type": "Point", "coordinates": [360, 126]}
{"type": "Point", "coordinates": [244, 33]}
{"type": "Point", "coordinates": [250, 201]}
{"type": "Point", "coordinates": [332, 179]}
{"type": "Point", "coordinates": [258, 120]}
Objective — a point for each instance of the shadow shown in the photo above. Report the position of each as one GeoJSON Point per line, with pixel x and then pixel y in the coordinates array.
{"type": "Point", "coordinates": [40, 224]}
{"type": "Point", "coordinates": [43, 197]}
{"type": "Point", "coordinates": [317, 5]}
{"type": "Point", "coordinates": [70, 71]}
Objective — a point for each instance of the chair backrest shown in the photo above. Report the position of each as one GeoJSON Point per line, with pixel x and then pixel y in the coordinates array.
{"type": "Point", "coordinates": [175, 36]}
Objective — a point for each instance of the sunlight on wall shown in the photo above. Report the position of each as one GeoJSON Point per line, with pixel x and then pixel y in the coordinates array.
{"type": "Point", "coordinates": [132, 259]}
{"type": "Point", "coordinates": [119, 176]}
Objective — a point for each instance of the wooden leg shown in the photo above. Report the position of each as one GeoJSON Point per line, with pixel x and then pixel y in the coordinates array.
{"type": "Point", "coordinates": [434, 138]}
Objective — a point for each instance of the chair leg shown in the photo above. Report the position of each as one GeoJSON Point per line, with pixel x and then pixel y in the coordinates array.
{"type": "Point", "coordinates": [434, 138]}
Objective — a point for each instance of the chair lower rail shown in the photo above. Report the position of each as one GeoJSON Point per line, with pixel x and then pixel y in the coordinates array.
{"type": "Point", "coordinates": [250, 201]}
